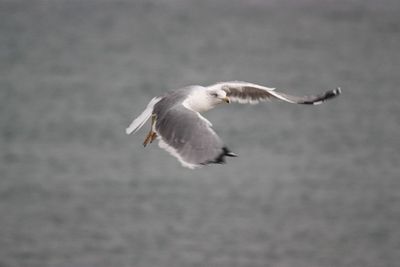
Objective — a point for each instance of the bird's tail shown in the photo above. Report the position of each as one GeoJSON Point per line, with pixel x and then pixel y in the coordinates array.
{"type": "Point", "coordinates": [142, 118]}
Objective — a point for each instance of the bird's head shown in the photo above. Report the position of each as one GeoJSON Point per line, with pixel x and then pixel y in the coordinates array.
{"type": "Point", "coordinates": [218, 96]}
{"type": "Point", "coordinates": [201, 100]}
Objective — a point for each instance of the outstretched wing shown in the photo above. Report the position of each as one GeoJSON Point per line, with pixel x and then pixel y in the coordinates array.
{"type": "Point", "coordinates": [244, 92]}
{"type": "Point", "coordinates": [189, 137]}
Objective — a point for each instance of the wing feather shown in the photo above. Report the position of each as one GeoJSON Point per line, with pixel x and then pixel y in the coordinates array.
{"type": "Point", "coordinates": [189, 137]}
{"type": "Point", "coordinates": [244, 92]}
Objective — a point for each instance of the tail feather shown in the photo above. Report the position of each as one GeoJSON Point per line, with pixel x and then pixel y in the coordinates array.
{"type": "Point", "coordinates": [142, 118]}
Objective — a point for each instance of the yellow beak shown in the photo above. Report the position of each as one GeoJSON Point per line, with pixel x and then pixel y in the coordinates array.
{"type": "Point", "coordinates": [226, 100]}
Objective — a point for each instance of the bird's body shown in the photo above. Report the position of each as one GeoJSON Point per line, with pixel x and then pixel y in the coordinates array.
{"type": "Point", "coordinates": [187, 135]}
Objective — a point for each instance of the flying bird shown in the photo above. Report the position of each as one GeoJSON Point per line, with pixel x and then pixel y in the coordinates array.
{"type": "Point", "coordinates": [182, 131]}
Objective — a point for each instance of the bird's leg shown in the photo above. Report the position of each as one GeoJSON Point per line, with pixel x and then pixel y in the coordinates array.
{"type": "Point", "coordinates": [151, 135]}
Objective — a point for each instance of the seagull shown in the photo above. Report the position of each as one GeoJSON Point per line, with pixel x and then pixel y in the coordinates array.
{"type": "Point", "coordinates": [182, 131]}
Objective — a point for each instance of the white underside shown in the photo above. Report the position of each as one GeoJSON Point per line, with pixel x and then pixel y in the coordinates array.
{"type": "Point", "coordinates": [238, 85]}
{"type": "Point", "coordinates": [247, 100]}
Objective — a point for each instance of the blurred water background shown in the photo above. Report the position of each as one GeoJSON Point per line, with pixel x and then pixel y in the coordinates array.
{"type": "Point", "coordinates": [313, 186]}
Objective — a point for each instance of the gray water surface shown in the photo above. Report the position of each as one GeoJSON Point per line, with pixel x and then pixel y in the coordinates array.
{"type": "Point", "coordinates": [312, 186]}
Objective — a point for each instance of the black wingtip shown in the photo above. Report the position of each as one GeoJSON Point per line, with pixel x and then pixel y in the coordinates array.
{"type": "Point", "coordinates": [324, 97]}
{"type": "Point", "coordinates": [333, 93]}
{"type": "Point", "coordinates": [220, 159]}
{"type": "Point", "coordinates": [228, 153]}
{"type": "Point", "coordinates": [231, 154]}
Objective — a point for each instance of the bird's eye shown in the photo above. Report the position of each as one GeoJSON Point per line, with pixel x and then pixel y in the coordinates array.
{"type": "Point", "coordinates": [214, 94]}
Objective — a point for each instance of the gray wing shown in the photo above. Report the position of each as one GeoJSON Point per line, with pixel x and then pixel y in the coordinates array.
{"type": "Point", "coordinates": [190, 138]}
{"type": "Point", "coordinates": [244, 92]}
